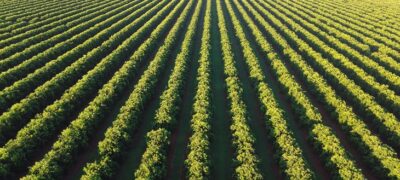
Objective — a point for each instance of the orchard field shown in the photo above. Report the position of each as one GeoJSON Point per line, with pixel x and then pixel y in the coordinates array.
{"type": "Point", "coordinates": [199, 89]}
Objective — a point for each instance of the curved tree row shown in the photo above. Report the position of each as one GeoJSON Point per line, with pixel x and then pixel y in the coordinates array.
{"type": "Point", "coordinates": [105, 40]}
{"type": "Point", "coordinates": [20, 113]}
{"type": "Point", "coordinates": [22, 30]}
{"type": "Point", "coordinates": [33, 9]}
{"type": "Point", "coordinates": [329, 145]}
{"type": "Point", "coordinates": [21, 70]}
{"type": "Point", "coordinates": [368, 20]}
{"type": "Point", "coordinates": [76, 136]}
{"type": "Point", "coordinates": [25, 20]}
{"type": "Point", "coordinates": [117, 137]}
{"type": "Point", "coordinates": [349, 21]}
{"type": "Point", "coordinates": [29, 47]}
{"type": "Point", "coordinates": [44, 14]}
{"type": "Point", "coordinates": [385, 96]}
{"type": "Point", "coordinates": [37, 11]}
{"type": "Point", "coordinates": [17, 8]}
{"type": "Point", "coordinates": [378, 51]}
{"type": "Point", "coordinates": [289, 151]}
{"type": "Point", "coordinates": [381, 157]}
{"type": "Point", "coordinates": [373, 22]}
{"type": "Point", "coordinates": [388, 124]}
{"type": "Point", "coordinates": [44, 126]}
{"type": "Point", "coordinates": [153, 162]}
{"type": "Point", "coordinates": [361, 60]}
{"type": "Point", "coordinates": [54, 116]}
{"type": "Point", "coordinates": [5, 24]}
{"type": "Point", "coordinates": [349, 37]}
{"type": "Point", "coordinates": [16, 28]}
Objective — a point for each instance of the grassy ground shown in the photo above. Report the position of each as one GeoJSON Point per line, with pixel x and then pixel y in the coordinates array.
{"type": "Point", "coordinates": [221, 139]}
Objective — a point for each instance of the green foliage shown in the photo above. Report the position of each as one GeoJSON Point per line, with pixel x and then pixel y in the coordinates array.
{"type": "Point", "coordinates": [290, 153]}
{"type": "Point", "coordinates": [44, 125]}
{"type": "Point", "coordinates": [246, 160]}
{"type": "Point", "coordinates": [64, 66]}
{"type": "Point", "coordinates": [153, 165]}
{"type": "Point", "coordinates": [198, 162]}
{"type": "Point", "coordinates": [75, 137]}
{"type": "Point", "coordinates": [27, 48]}
{"type": "Point", "coordinates": [20, 112]}
{"type": "Point", "coordinates": [380, 155]}
{"type": "Point", "coordinates": [119, 134]}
